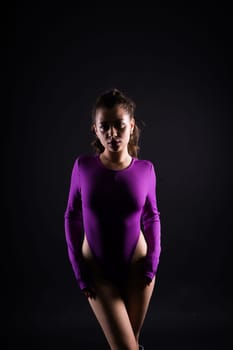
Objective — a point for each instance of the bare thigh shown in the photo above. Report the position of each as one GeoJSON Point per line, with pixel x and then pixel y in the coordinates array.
{"type": "Point", "coordinates": [137, 294]}
{"type": "Point", "coordinates": [109, 308]}
{"type": "Point", "coordinates": [111, 313]}
{"type": "Point", "coordinates": [121, 315]}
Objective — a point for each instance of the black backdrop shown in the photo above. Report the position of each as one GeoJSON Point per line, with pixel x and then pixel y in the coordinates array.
{"type": "Point", "coordinates": [176, 64]}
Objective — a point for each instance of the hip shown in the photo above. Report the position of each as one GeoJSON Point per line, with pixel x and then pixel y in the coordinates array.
{"type": "Point", "coordinates": [116, 271]}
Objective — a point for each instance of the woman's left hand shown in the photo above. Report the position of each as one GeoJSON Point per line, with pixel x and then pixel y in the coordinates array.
{"type": "Point", "coordinates": [147, 280]}
{"type": "Point", "coordinates": [89, 292]}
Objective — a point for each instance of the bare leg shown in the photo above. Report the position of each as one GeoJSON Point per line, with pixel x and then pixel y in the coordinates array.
{"type": "Point", "coordinates": [120, 315]}
{"type": "Point", "coordinates": [137, 299]}
{"type": "Point", "coordinates": [109, 309]}
{"type": "Point", "coordinates": [137, 294]}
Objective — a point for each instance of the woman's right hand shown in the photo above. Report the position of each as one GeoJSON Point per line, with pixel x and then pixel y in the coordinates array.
{"type": "Point", "coordinates": [89, 292]}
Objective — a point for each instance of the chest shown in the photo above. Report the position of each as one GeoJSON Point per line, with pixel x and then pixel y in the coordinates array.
{"type": "Point", "coordinates": [114, 191]}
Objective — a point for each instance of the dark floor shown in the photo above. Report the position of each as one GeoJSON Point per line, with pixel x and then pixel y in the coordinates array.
{"type": "Point", "coordinates": [162, 330]}
{"type": "Point", "coordinates": [52, 320]}
{"type": "Point", "coordinates": [152, 339]}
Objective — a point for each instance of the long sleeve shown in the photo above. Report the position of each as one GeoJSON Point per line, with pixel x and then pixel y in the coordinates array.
{"type": "Point", "coordinates": [150, 219]}
{"type": "Point", "coordinates": [74, 231]}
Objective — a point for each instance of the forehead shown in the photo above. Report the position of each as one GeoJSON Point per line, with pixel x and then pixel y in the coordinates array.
{"type": "Point", "coordinates": [109, 114]}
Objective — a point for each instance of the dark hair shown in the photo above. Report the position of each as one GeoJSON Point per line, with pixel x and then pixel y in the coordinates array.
{"type": "Point", "coordinates": [110, 99]}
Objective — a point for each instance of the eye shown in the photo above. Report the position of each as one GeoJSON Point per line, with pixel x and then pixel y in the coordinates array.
{"type": "Point", "coordinates": [104, 126]}
{"type": "Point", "coordinates": [119, 124]}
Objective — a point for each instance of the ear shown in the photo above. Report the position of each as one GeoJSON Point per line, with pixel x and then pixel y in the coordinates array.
{"type": "Point", "coordinates": [132, 123]}
{"type": "Point", "coordinates": [94, 129]}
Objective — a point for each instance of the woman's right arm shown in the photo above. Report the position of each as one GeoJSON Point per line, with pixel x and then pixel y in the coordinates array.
{"type": "Point", "coordinates": [74, 230]}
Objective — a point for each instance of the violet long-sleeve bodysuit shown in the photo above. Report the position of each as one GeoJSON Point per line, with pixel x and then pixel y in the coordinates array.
{"type": "Point", "coordinates": [111, 207]}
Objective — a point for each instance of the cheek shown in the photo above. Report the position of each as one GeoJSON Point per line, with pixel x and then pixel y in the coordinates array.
{"type": "Point", "coordinates": [126, 133]}
{"type": "Point", "coordinates": [103, 137]}
{"type": "Point", "coordinates": [101, 133]}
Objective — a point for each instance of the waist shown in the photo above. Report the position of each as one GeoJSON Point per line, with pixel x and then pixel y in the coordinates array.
{"type": "Point", "coordinates": [139, 252]}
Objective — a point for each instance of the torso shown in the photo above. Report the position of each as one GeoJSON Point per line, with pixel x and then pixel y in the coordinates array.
{"type": "Point", "coordinates": [112, 215]}
{"type": "Point", "coordinates": [140, 250]}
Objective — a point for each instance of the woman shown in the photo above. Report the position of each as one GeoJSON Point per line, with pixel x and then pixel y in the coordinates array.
{"type": "Point", "coordinates": [112, 223]}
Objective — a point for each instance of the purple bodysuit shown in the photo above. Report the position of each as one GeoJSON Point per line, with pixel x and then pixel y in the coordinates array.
{"type": "Point", "coordinates": [111, 207]}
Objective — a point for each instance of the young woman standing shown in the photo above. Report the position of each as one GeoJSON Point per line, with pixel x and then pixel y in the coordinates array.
{"type": "Point", "coordinates": [112, 223]}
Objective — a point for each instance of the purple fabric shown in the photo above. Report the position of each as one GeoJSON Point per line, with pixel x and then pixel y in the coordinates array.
{"type": "Point", "coordinates": [111, 206]}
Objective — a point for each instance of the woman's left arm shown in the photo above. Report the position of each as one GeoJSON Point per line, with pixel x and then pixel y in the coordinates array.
{"type": "Point", "coordinates": [150, 220]}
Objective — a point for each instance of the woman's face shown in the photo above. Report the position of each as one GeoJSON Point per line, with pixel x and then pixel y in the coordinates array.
{"type": "Point", "coordinates": [113, 127]}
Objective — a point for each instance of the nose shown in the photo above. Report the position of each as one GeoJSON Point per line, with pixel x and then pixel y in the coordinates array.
{"type": "Point", "coordinates": [113, 131]}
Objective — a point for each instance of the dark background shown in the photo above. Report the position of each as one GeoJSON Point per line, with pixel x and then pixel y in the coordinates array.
{"type": "Point", "coordinates": [176, 64]}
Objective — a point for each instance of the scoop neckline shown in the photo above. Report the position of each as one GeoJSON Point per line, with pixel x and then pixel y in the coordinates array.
{"type": "Point", "coordinates": [114, 170]}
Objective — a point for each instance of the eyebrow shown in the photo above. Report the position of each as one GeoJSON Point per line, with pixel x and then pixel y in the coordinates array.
{"type": "Point", "coordinates": [105, 121]}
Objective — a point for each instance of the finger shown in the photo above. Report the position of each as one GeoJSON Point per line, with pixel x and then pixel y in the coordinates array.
{"type": "Point", "coordinates": [86, 293]}
{"type": "Point", "coordinates": [89, 292]}
{"type": "Point", "coordinates": [147, 281]}
{"type": "Point", "coordinates": [92, 294]}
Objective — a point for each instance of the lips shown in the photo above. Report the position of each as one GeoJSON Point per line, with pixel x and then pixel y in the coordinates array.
{"type": "Point", "coordinates": [114, 142]}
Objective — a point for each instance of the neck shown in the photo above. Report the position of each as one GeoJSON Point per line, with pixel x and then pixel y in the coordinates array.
{"type": "Point", "coordinates": [116, 157]}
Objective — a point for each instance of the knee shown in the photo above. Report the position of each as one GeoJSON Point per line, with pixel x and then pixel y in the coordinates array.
{"type": "Point", "coordinates": [126, 345]}
{"type": "Point", "coordinates": [137, 334]}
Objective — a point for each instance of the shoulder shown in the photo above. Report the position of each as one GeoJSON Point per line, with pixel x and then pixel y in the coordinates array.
{"type": "Point", "coordinates": [83, 160]}
{"type": "Point", "coordinates": [144, 163]}
{"type": "Point", "coordinates": [147, 168]}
